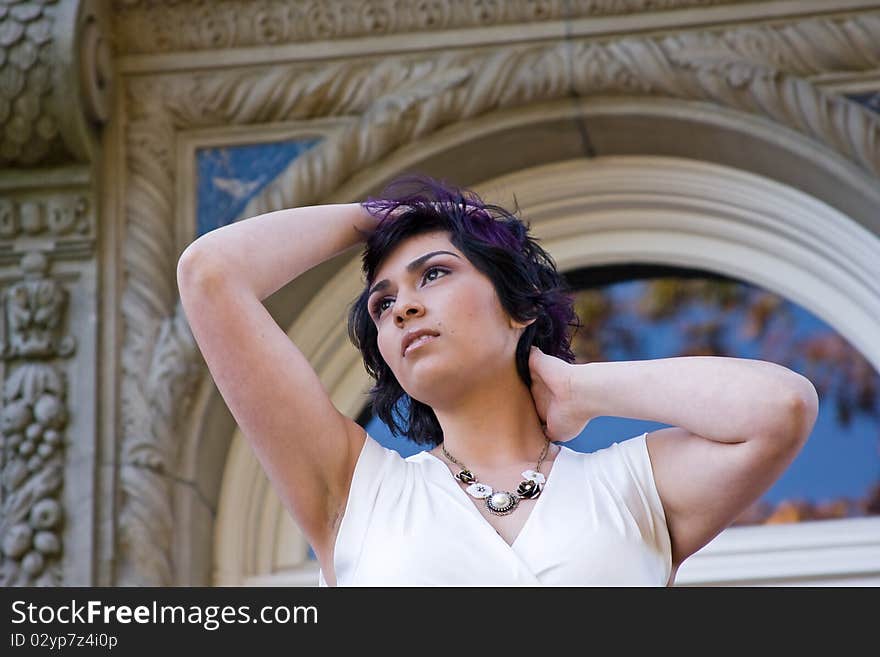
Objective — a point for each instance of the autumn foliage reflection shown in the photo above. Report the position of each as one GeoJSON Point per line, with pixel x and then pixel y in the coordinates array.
{"type": "Point", "coordinates": [722, 317]}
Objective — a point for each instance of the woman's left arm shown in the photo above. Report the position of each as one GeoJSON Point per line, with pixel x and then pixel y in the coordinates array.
{"type": "Point", "coordinates": [737, 424]}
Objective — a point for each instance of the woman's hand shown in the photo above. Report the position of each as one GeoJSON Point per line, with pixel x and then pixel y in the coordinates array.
{"type": "Point", "coordinates": [562, 413]}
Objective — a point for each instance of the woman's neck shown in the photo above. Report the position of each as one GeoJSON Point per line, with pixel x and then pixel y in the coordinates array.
{"type": "Point", "coordinates": [495, 427]}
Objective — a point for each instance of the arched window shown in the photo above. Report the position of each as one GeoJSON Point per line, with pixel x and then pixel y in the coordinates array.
{"type": "Point", "coordinates": [638, 312]}
{"type": "Point", "coordinates": [647, 312]}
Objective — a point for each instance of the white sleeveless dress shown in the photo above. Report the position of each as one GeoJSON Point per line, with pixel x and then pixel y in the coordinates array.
{"type": "Point", "coordinates": [598, 522]}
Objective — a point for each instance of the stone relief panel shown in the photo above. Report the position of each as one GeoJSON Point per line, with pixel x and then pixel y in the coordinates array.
{"type": "Point", "coordinates": [33, 422]}
{"type": "Point", "coordinates": [47, 240]}
{"type": "Point", "coordinates": [57, 215]}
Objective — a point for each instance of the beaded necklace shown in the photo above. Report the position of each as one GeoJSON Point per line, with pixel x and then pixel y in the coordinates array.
{"type": "Point", "coordinates": [502, 502]}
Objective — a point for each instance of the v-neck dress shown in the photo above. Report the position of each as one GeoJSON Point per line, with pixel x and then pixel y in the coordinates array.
{"type": "Point", "coordinates": [599, 521]}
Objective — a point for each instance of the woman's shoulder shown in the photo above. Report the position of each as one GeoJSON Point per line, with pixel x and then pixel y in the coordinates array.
{"type": "Point", "coordinates": [420, 457]}
{"type": "Point", "coordinates": [624, 464]}
{"type": "Point", "coordinates": [626, 449]}
{"type": "Point", "coordinates": [378, 460]}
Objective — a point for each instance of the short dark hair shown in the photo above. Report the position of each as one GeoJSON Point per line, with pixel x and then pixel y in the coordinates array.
{"type": "Point", "coordinates": [499, 245]}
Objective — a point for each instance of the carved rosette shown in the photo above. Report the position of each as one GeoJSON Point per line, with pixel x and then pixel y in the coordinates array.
{"type": "Point", "coordinates": [32, 423]}
{"type": "Point", "coordinates": [55, 74]}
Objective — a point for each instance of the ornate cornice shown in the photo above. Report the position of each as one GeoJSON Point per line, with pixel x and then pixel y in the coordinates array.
{"type": "Point", "coordinates": [759, 70]}
{"type": "Point", "coordinates": [393, 101]}
{"type": "Point", "coordinates": [163, 26]}
{"type": "Point", "coordinates": [54, 81]}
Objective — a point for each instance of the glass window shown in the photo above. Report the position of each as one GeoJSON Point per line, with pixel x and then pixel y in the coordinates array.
{"type": "Point", "coordinates": [646, 312]}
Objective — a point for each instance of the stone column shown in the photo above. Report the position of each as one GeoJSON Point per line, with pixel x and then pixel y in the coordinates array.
{"type": "Point", "coordinates": [54, 98]}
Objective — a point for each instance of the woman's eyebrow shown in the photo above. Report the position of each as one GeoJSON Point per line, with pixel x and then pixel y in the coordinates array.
{"type": "Point", "coordinates": [411, 267]}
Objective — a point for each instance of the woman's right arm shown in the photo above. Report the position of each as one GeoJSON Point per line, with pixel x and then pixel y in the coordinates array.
{"type": "Point", "coordinates": [306, 446]}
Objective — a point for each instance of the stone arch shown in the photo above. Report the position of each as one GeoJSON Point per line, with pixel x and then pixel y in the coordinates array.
{"type": "Point", "coordinates": [609, 209]}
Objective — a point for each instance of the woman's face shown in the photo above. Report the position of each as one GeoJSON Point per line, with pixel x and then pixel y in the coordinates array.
{"type": "Point", "coordinates": [445, 294]}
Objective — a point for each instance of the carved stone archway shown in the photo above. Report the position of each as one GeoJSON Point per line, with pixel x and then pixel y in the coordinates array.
{"type": "Point", "coordinates": [386, 108]}
{"type": "Point", "coordinates": [613, 210]}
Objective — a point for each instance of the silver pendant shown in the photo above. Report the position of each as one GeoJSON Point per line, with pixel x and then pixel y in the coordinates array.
{"type": "Point", "coordinates": [501, 503]}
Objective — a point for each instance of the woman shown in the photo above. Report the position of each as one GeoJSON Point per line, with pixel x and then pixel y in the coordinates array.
{"type": "Point", "coordinates": [464, 319]}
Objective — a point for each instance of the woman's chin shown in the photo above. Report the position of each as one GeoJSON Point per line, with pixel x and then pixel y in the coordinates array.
{"type": "Point", "coordinates": [434, 385]}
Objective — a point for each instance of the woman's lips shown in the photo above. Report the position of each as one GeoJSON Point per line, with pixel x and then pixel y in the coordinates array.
{"type": "Point", "coordinates": [418, 342]}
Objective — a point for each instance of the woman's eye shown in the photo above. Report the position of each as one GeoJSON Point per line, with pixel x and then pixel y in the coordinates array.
{"type": "Point", "coordinates": [433, 269]}
{"type": "Point", "coordinates": [379, 307]}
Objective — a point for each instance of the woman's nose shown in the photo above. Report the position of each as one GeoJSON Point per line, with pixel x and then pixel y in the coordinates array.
{"type": "Point", "coordinates": [408, 309]}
